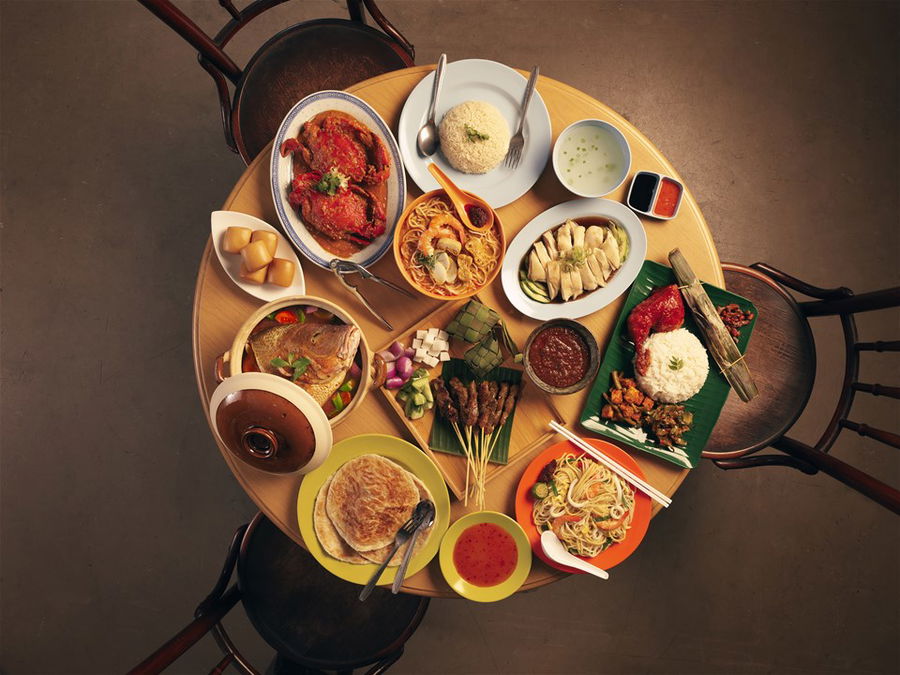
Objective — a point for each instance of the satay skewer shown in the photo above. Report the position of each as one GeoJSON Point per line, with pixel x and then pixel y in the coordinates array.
{"type": "Point", "coordinates": [508, 404]}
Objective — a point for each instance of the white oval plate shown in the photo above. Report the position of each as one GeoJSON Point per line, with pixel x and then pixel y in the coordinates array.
{"type": "Point", "coordinates": [281, 175]}
{"type": "Point", "coordinates": [231, 262]}
{"type": "Point", "coordinates": [595, 300]}
{"type": "Point", "coordinates": [501, 86]}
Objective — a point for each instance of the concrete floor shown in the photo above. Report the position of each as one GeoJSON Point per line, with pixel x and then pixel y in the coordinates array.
{"type": "Point", "coordinates": [116, 506]}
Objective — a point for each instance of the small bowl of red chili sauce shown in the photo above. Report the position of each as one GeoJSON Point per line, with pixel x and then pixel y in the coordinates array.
{"type": "Point", "coordinates": [655, 195]}
{"type": "Point", "coordinates": [485, 556]}
{"type": "Point", "coordinates": [561, 356]}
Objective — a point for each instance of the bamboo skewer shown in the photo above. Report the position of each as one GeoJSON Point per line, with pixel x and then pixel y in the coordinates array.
{"type": "Point", "coordinates": [721, 345]}
{"type": "Point", "coordinates": [468, 451]}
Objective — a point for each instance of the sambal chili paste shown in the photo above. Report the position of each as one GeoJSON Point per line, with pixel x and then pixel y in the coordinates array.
{"type": "Point", "coordinates": [559, 356]}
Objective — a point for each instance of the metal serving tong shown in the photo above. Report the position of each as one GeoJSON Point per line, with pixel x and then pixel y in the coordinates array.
{"type": "Point", "coordinates": [342, 268]}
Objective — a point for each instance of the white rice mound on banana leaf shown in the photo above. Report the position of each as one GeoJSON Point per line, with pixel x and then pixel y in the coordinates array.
{"type": "Point", "coordinates": [678, 366]}
{"type": "Point", "coordinates": [474, 137]}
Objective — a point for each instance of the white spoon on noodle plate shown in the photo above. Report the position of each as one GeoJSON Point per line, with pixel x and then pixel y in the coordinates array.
{"type": "Point", "coordinates": [555, 550]}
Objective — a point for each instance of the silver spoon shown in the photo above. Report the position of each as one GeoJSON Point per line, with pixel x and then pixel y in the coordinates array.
{"type": "Point", "coordinates": [427, 139]}
{"type": "Point", "coordinates": [403, 535]}
{"type": "Point", "coordinates": [556, 551]}
{"type": "Point", "coordinates": [401, 571]}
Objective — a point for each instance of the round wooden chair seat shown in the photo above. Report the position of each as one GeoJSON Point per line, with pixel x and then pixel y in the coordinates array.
{"type": "Point", "coordinates": [308, 57]}
{"type": "Point", "coordinates": [310, 616]}
{"type": "Point", "coordinates": [782, 359]}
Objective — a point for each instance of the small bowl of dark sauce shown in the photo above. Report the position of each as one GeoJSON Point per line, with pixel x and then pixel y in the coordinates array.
{"type": "Point", "coordinates": [561, 356]}
{"type": "Point", "coordinates": [655, 195]}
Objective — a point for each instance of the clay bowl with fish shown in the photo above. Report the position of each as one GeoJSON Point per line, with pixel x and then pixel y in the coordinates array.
{"type": "Point", "coordinates": [310, 342]}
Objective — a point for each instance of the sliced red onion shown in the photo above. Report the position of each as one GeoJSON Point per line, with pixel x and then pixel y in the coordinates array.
{"type": "Point", "coordinates": [391, 370]}
{"type": "Point", "coordinates": [396, 349]}
{"type": "Point", "coordinates": [394, 383]}
{"type": "Point", "coordinates": [409, 353]}
{"type": "Point", "coordinates": [309, 309]}
{"type": "Point", "coordinates": [355, 371]}
{"type": "Point", "coordinates": [387, 356]}
{"type": "Point", "coordinates": [404, 367]}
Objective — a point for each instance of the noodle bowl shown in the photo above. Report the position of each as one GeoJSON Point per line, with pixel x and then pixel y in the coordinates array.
{"type": "Point", "coordinates": [438, 256]}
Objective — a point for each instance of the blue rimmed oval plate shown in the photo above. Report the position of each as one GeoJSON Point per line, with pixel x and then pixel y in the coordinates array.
{"type": "Point", "coordinates": [281, 174]}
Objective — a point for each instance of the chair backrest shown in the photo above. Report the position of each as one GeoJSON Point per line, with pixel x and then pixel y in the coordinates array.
{"type": "Point", "coordinates": [844, 304]}
{"type": "Point", "coordinates": [222, 68]}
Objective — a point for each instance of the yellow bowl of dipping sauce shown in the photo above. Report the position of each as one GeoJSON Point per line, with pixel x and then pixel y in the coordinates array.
{"type": "Point", "coordinates": [485, 556]}
{"type": "Point", "coordinates": [591, 158]}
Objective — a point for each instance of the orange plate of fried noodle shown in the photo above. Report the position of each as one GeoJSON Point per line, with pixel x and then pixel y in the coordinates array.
{"type": "Point", "coordinates": [594, 499]}
{"type": "Point", "coordinates": [438, 256]}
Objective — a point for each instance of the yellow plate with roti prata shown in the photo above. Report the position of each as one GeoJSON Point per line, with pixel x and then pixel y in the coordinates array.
{"type": "Point", "coordinates": [408, 457]}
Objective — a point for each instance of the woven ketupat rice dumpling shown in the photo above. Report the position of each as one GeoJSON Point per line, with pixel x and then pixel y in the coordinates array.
{"type": "Point", "coordinates": [473, 322]}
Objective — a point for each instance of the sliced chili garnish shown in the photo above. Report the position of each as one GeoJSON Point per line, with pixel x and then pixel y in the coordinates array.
{"type": "Point", "coordinates": [286, 316]}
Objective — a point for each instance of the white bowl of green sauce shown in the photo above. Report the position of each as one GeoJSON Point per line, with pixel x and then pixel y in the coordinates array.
{"type": "Point", "coordinates": [591, 158]}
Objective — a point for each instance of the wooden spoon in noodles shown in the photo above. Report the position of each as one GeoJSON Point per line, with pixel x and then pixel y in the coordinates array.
{"type": "Point", "coordinates": [461, 200]}
{"type": "Point", "coordinates": [555, 550]}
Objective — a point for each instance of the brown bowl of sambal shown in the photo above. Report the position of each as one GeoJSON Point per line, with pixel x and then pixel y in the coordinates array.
{"type": "Point", "coordinates": [561, 356]}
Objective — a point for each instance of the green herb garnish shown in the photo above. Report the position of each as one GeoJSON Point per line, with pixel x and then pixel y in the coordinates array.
{"type": "Point", "coordinates": [574, 257]}
{"type": "Point", "coordinates": [329, 183]}
{"type": "Point", "coordinates": [675, 363]}
{"type": "Point", "coordinates": [428, 261]}
{"type": "Point", "coordinates": [473, 135]}
{"type": "Point", "coordinates": [297, 365]}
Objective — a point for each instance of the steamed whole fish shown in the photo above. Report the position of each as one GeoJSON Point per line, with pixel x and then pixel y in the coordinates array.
{"type": "Point", "coordinates": [323, 354]}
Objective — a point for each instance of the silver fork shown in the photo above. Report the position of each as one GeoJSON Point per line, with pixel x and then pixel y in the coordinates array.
{"type": "Point", "coordinates": [517, 142]}
{"type": "Point", "coordinates": [402, 536]}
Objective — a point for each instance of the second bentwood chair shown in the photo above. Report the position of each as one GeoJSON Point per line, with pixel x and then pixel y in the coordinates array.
{"type": "Point", "coordinates": [313, 620]}
{"type": "Point", "coordinates": [782, 356]}
{"type": "Point", "coordinates": [305, 58]}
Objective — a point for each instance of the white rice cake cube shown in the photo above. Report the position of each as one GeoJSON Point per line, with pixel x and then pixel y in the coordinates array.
{"type": "Point", "coordinates": [443, 335]}
{"type": "Point", "coordinates": [445, 356]}
{"type": "Point", "coordinates": [439, 345]}
{"type": "Point", "coordinates": [430, 361]}
{"type": "Point", "coordinates": [433, 333]}
{"type": "Point", "coordinates": [416, 343]}
{"type": "Point", "coordinates": [420, 334]}
{"type": "Point", "coordinates": [421, 355]}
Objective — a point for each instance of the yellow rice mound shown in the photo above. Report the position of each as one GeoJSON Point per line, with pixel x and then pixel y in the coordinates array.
{"type": "Point", "coordinates": [471, 152]}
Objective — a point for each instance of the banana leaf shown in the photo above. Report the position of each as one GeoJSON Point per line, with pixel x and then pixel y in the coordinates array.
{"type": "Point", "coordinates": [706, 405]}
{"type": "Point", "coordinates": [443, 438]}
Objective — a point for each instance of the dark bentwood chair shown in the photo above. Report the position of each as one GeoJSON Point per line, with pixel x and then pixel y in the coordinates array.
{"type": "Point", "coordinates": [312, 619]}
{"type": "Point", "coordinates": [308, 57]}
{"type": "Point", "coordinates": [782, 354]}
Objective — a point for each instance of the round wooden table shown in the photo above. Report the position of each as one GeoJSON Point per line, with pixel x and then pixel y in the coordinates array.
{"type": "Point", "coordinates": [220, 307]}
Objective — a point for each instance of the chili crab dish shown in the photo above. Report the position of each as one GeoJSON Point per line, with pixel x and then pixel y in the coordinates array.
{"type": "Point", "coordinates": [337, 179]}
{"type": "Point", "coordinates": [339, 169]}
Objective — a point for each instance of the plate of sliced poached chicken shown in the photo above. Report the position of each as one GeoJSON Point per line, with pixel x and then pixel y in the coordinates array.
{"type": "Point", "coordinates": [573, 259]}
{"type": "Point", "coordinates": [350, 508]}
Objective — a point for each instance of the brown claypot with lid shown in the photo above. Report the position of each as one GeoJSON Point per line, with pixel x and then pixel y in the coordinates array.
{"type": "Point", "coordinates": [229, 364]}
{"type": "Point", "coordinates": [270, 423]}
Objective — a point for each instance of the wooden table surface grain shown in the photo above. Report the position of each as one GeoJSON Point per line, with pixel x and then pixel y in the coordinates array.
{"type": "Point", "coordinates": [220, 307]}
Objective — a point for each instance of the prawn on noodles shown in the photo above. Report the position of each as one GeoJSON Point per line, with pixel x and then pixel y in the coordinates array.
{"type": "Point", "coordinates": [586, 505]}
{"type": "Point", "coordinates": [441, 256]}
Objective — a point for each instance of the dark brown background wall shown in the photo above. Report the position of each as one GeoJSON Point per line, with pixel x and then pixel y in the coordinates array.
{"type": "Point", "coordinates": [116, 507]}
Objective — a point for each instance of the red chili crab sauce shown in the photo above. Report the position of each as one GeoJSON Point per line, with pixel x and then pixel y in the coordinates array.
{"type": "Point", "coordinates": [559, 356]}
{"type": "Point", "coordinates": [667, 200]}
{"type": "Point", "coordinates": [485, 554]}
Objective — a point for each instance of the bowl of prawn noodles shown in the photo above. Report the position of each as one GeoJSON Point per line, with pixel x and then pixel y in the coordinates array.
{"type": "Point", "coordinates": [439, 256]}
